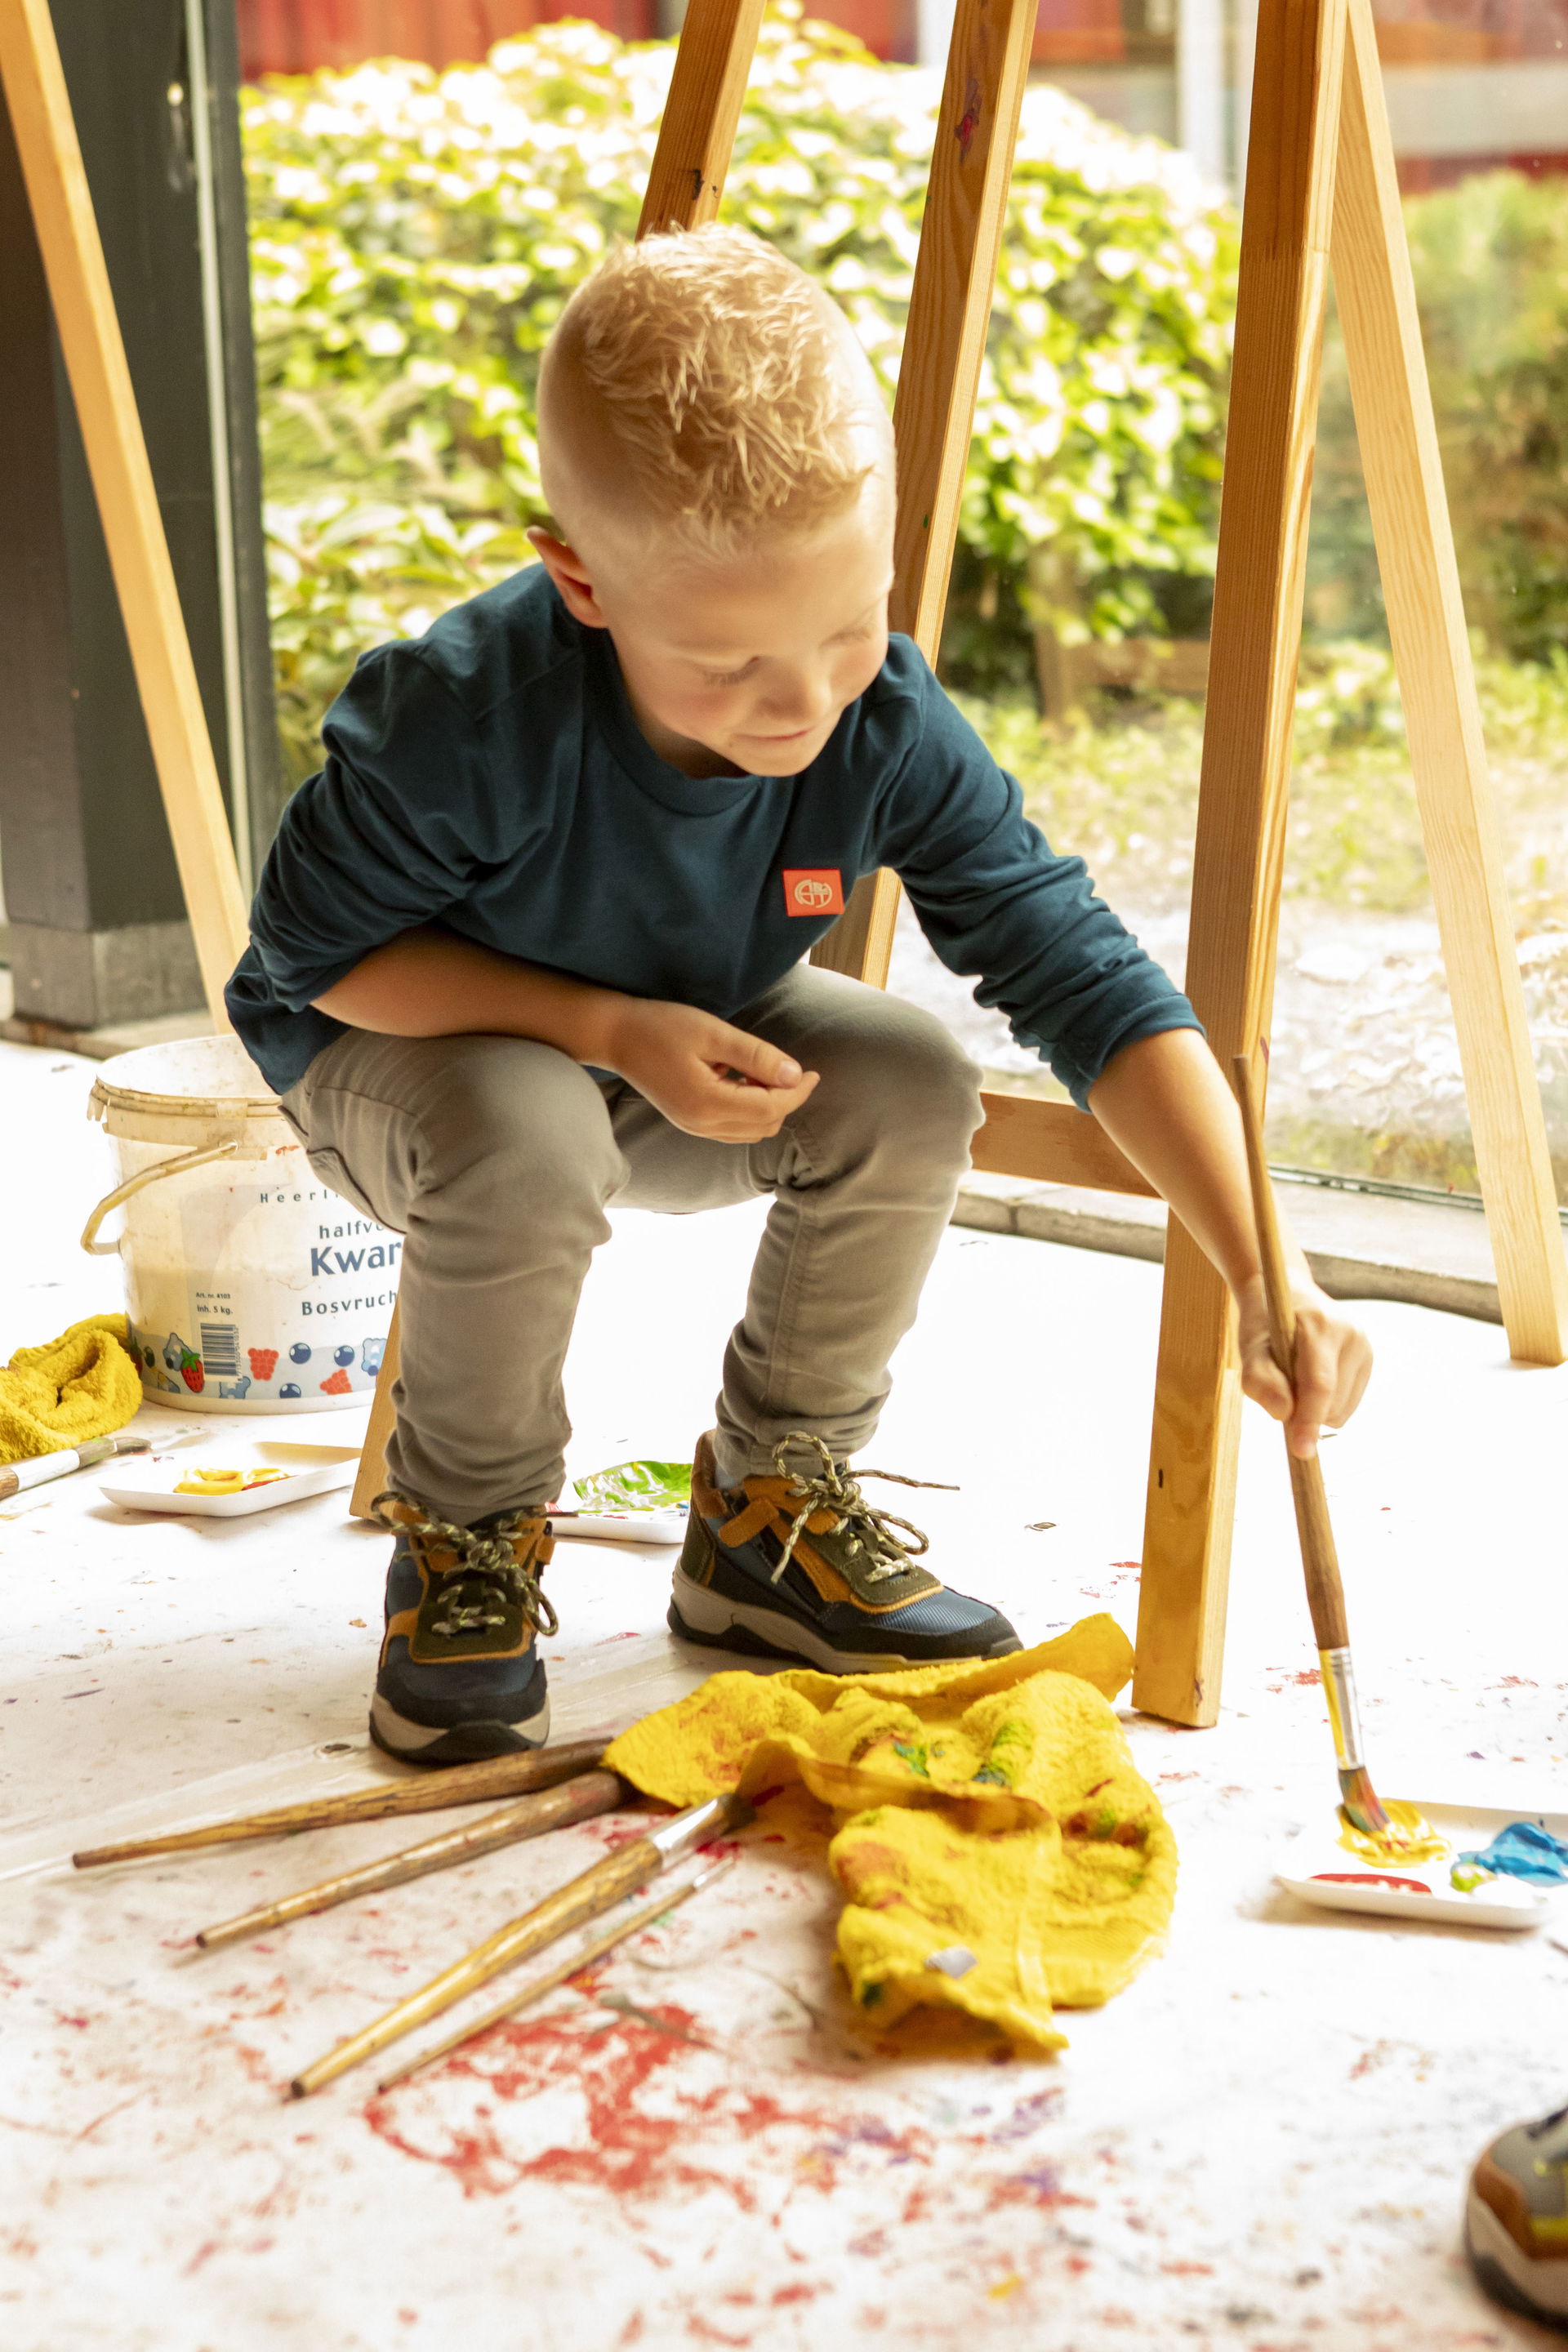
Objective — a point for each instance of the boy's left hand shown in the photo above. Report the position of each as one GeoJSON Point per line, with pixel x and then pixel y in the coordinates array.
{"type": "Point", "coordinates": [1333, 1364]}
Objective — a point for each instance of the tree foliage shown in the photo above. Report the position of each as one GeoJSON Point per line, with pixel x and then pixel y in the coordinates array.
{"type": "Point", "coordinates": [415, 235]}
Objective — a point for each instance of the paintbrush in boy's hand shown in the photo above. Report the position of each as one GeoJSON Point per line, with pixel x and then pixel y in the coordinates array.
{"type": "Point", "coordinates": [1325, 1592]}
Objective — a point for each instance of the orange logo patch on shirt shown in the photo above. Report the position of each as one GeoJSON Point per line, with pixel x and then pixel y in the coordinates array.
{"type": "Point", "coordinates": [813, 890]}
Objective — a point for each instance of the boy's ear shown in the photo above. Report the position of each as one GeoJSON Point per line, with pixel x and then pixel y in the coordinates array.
{"type": "Point", "coordinates": [571, 576]}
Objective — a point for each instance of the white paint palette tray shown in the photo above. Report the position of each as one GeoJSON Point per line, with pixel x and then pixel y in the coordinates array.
{"type": "Point", "coordinates": [145, 1484]}
{"type": "Point", "coordinates": [620, 1527]}
{"type": "Point", "coordinates": [1318, 1869]}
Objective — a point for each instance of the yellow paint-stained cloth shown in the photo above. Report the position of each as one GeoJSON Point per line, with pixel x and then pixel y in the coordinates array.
{"type": "Point", "coordinates": [84, 1384]}
{"type": "Point", "coordinates": [992, 1822]}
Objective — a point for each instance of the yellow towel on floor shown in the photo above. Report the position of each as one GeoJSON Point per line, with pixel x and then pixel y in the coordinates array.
{"type": "Point", "coordinates": [84, 1384]}
{"type": "Point", "coordinates": [998, 1852]}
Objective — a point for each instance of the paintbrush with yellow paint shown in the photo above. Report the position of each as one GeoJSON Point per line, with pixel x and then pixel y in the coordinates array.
{"type": "Point", "coordinates": [1379, 1831]}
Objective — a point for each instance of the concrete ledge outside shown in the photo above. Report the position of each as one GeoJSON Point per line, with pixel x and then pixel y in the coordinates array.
{"type": "Point", "coordinates": [1359, 1244]}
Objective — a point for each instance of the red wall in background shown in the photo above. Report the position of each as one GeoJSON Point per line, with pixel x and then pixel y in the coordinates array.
{"type": "Point", "coordinates": [298, 36]}
{"type": "Point", "coordinates": [1079, 33]}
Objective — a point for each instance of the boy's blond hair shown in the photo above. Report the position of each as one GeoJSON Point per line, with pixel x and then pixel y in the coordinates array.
{"type": "Point", "coordinates": [700, 384]}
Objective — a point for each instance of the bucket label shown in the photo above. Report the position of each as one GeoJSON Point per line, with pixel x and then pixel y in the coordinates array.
{"type": "Point", "coordinates": [259, 1296]}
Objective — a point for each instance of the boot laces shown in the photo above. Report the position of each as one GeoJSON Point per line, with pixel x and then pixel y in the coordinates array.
{"type": "Point", "coordinates": [486, 1567]}
{"type": "Point", "coordinates": [866, 1529]}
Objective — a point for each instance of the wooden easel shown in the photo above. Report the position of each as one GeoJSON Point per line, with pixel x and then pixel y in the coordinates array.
{"type": "Point", "coordinates": [1321, 186]}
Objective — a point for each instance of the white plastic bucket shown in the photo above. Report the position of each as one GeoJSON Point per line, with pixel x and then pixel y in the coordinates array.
{"type": "Point", "coordinates": [249, 1286]}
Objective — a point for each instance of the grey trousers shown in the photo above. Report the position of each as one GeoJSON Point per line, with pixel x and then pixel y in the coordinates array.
{"type": "Point", "coordinates": [497, 1158]}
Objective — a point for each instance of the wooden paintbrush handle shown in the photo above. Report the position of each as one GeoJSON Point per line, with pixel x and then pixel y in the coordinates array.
{"type": "Point", "coordinates": [429, 1792]}
{"type": "Point", "coordinates": [596, 1891]}
{"type": "Point", "coordinates": [1319, 1560]}
{"type": "Point", "coordinates": [530, 1817]}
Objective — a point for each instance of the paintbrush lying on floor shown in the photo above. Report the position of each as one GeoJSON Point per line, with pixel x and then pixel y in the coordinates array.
{"type": "Point", "coordinates": [649, 1916]}
{"type": "Point", "coordinates": [38, 1469]}
{"type": "Point", "coordinates": [588, 1897]}
{"type": "Point", "coordinates": [419, 1793]}
{"type": "Point", "coordinates": [530, 1817]}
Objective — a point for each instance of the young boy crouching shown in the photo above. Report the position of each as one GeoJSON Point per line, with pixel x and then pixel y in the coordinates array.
{"type": "Point", "coordinates": [534, 942]}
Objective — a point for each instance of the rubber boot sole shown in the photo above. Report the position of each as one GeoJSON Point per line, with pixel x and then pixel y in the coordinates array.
{"type": "Point", "coordinates": [716, 1623]}
{"type": "Point", "coordinates": [462, 1743]}
{"type": "Point", "coordinates": [1501, 2265]}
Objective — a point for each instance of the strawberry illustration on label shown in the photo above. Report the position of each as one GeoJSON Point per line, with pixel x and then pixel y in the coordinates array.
{"type": "Point", "coordinates": [263, 1362]}
{"type": "Point", "coordinates": [338, 1385]}
{"type": "Point", "coordinates": [191, 1371]}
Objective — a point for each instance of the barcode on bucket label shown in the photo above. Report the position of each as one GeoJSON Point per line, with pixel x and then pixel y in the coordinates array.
{"type": "Point", "coordinates": [220, 1349]}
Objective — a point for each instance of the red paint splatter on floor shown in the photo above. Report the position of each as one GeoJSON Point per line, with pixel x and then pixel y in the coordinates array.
{"type": "Point", "coordinates": [629, 2149]}
{"type": "Point", "coordinates": [632, 2144]}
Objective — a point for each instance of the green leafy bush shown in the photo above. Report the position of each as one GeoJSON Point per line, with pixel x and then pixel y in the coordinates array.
{"type": "Point", "coordinates": [1490, 260]}
{"type": "Point", "coordinates": [416, 235]}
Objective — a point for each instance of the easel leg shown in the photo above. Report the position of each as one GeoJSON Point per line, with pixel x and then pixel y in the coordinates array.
{"type": "Point", "coordinates": [707, 90]}
{"type": "Point", "coordinates": [939, 377]}
{"type": "Point", "coordinates": [1414, 541]}
{"type": "Point", "coordinates": [1258, 588]}
{"type": "Point", "coordinates": [371, 1478]}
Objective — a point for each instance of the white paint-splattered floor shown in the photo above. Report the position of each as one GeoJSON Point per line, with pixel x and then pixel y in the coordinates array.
{"type": "Point", "coordinates": [1261, 2145]}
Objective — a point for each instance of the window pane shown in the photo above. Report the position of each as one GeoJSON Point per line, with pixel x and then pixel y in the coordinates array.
{"type": "Point", "coordinates": [1365, 1078]}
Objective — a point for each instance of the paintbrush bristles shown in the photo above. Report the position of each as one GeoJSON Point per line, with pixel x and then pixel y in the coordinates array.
{"type": "Point", "coordinates": [1363, 1806]}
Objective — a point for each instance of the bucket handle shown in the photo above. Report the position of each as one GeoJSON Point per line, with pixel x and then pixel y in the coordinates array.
{"type": "Point", "coordinates": [89, 1240]}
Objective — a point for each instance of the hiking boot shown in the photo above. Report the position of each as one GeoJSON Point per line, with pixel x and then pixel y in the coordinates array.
{"type": "Point", "coordinates": [1516, 2220]}
{"type": "Point", "coordinates": [460, 1677]}
{"type": "Point", "coordinates": [800, 1565]}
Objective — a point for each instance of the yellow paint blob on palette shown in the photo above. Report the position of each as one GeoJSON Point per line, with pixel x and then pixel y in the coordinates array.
{"type": "Point", "coordinates": [1409, 1836]}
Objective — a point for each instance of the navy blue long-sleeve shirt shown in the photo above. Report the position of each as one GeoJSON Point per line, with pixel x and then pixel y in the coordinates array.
{"type": "Point", "coordinates": [490, 777]}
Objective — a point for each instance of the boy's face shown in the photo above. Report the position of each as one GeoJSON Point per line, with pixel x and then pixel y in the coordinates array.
{"type": "Point", "coordinates": [744, 665]}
